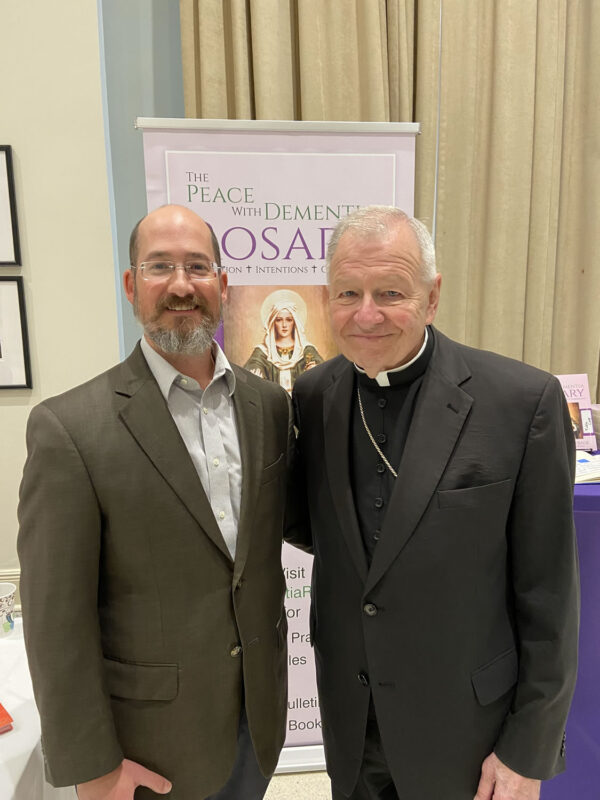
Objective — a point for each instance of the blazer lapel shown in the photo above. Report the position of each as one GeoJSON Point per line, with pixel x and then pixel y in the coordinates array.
{"type": "Point", "coordinates": [147, 417]}
{"type": "Point", "coordinates": [441, 410]}
{"type": "Point", "coordinates": [248, 409]}
{"type": "Point", "coordinates": [337, 402]}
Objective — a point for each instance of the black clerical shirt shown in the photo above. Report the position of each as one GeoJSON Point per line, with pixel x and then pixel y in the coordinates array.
{"type": "Point", "coordinates": [388, 412]}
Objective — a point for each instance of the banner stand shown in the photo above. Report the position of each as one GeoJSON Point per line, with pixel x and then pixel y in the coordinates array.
{"type": "Point", "coordinates": [302, 758]}
{"type": "Point", "coordinates": [273, 192]}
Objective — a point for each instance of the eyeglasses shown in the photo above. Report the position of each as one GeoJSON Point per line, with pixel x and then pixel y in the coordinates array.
{"type": "Point", "coordinates": [197, 270]}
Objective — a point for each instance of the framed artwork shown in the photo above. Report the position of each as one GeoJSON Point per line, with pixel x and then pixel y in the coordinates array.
{"type": "Point", "coordinates": [15, 367]}
{"type": "Point", "coordinates": [10, 252]}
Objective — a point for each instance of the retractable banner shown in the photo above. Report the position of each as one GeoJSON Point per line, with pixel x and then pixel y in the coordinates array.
{"type": "Point", "coordinates": [273, 193]}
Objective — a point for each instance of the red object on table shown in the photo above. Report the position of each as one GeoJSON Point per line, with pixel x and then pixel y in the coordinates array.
{"type": "Point", "coordinates": [5, 720]}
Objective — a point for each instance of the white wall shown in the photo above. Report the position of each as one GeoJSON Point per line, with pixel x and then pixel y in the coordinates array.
{"type": "Point", "coordinates": [51, 115]}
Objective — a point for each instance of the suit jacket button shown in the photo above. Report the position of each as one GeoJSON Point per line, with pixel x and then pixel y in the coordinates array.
{"type": "Point", "coordinates": [370, 609]}
{"type": "Point", "coordinates": [235, 651]}
{"type": "Point", "coordinates": [363, 678]}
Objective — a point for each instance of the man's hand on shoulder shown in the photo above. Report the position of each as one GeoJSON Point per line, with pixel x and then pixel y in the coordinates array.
{"type": "Point", "coordinates": [121, 783]}
{"type": "Point", "coordinates": [499, 782]}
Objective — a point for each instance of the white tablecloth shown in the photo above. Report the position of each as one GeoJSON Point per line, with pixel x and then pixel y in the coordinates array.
{"type": "Point", "coordinates": [21, 762]}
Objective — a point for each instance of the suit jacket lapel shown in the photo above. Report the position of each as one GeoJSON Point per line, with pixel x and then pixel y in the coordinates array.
{"type": "Point", "coordinates": [441, 410]}
{"type": "Point", "coordinates": [248, 409]}
{"type": "Point", "coordinates": [337, 402]}
{"type": "Point", "coordinates": [147, 417]}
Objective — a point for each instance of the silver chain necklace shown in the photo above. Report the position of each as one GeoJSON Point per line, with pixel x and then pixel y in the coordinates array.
{"type": "Point", "coordinates": [371, 437]}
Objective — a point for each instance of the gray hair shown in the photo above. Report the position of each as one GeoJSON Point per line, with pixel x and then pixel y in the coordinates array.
{"type": "Point", "coordinates": [379, 221]}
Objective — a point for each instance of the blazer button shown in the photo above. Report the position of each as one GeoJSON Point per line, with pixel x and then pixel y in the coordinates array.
{"type": "Point", "coordinates": [235, 651]}
{"type": "Point", "coordinates": [370, 609]}
{"type": "Point", "coordinates": [363, 678]}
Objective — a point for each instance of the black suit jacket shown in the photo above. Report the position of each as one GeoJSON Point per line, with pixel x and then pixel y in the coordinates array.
{"type": "Point", "coordinates": [141, 631]}
{"type": "Point", "coordinates": [464, 628]}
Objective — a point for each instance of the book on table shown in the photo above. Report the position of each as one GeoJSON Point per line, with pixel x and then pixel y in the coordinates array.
{"type": "Point", "coordinates": [587, 468]}
{"type": "Point", "coordinates": [577, 394]}
{"type": "Point", "coordinates": [5, 720]}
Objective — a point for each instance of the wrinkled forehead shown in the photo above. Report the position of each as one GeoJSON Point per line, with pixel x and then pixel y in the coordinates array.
{"type": "Point", "coordinates": [359, 250]}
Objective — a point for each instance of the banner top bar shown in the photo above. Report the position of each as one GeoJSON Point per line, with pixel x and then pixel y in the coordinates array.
{"type": "Point", "coordinates": [291, 126]}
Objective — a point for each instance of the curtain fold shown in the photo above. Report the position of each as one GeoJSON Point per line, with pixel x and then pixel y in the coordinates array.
{"type": "Point", "coordinates": [508, 158]}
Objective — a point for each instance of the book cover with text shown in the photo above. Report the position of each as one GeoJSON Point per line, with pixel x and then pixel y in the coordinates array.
{"type": "Point", "coordinates": [577, 394]}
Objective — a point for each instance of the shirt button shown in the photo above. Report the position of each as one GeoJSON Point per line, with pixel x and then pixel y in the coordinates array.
{"type": "Point", "coordinates": [370, 609]}
{"type": "Point", "coordinates": [183, 381]}
{"type": "Point", "coordinates": [363, 678]}
{"type": "Point", "coordinates": [215, 462]}
{"type": "Point", "coordinates": [235, 651]}
{"type": "Point", "coordinates": [378, 502]}
{"type": "Point", "coordinates": [381, 438]}
{"type": "Point", "coordinates": [221, 515]}
{"type": "Point", "coordinates": [205, 410]}
{"type": "Point", "coordinates": [382, 402]}
{"type": "Point", "coordinates": [381, 468]}
{"type": "Point", "coordinates": [376, 535]}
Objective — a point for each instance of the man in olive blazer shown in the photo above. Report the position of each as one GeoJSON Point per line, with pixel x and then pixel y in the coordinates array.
{"type": "Point", "coordinates": [445, 638]}
{"type": "Point", "coordinates": [145, 638]}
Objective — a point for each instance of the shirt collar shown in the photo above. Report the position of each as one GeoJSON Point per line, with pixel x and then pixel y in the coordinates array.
{"type": "Point", "coordinates": [166, 375]}
{"type": "Point", "coordinates": [383, 379]}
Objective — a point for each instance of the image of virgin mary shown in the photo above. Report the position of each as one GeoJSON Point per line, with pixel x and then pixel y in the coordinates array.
{"type": "Point", "coordinates": [285, 352]}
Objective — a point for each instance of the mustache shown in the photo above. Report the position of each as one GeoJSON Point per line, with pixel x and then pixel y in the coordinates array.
{"type": "Point", "coordinates": [176, 302]}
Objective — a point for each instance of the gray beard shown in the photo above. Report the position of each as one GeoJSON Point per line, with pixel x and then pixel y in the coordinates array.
{"type": "Point", "coordinates": [186, 339]}
{"type": "Point", "coordinates": [192, 342]}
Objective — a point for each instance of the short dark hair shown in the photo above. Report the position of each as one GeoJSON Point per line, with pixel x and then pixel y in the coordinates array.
{"type": "Point", "coordinates": [133, 243]}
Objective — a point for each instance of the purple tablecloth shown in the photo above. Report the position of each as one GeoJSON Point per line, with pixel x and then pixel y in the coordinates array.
{"type": "Point", "coordinates": [581, 781]}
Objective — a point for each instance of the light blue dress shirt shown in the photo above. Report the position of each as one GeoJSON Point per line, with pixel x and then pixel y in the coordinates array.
{"type": "Point", "coordinates": [206, 421]}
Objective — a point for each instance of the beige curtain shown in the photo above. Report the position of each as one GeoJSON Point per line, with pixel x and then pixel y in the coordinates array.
{"type": "Point", "coordinates": [297, 59]}
{"type": "Point", "coordinates": [508, 162]}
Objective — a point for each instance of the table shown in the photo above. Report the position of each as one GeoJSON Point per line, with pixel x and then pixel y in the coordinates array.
{"type": "Point", "coordinates": [21, 761]}
{"type": "Point", "coordinates": [580, 781]}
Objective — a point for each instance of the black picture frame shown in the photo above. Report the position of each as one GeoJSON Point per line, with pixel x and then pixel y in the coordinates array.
{"type": "Point", "coordinates": [15, 365]}
{"type": "Point", "coordinates": [10, 248]}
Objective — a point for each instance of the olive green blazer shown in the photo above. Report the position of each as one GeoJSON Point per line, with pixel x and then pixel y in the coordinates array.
{"type": "Point", "coordinates": [143, 636]}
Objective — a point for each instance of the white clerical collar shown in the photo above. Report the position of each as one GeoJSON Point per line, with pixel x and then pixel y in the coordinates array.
{"type": "Point", "coordinates": [382, 377]}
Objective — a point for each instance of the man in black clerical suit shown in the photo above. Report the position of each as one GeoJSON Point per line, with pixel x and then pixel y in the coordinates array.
{"type": "Point", "coordinates": [435, 485]}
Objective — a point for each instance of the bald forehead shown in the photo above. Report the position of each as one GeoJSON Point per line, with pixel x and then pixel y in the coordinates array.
{"type": "Point", "coordinates": [171, 226]}
{"type": "Point", "coordinates": [172, 217]}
